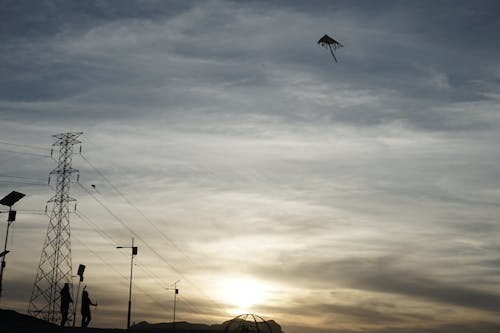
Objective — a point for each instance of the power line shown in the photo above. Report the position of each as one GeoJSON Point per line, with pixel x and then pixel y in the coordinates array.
{"type": "Point", "coordinates": [31, 212]}
{"type": "Point", "coordinates": [144, 268]}
{"type": "Point", "coordinates": [125, 279]}
{"type": "Point", "coordinates": [162, 234]}
{"type": "Point", "coordinates": [152, 274]}
{"type": "Point", "coordinates": [19, 177]}
{"type": "Point", "coordinates": [20, 182]}
{"type": "Point", "coordinates": [148, 272]}
{"type": "Point", "coordinates": [25, 153]}
{"type": "Point", "coordinates": [165, 237]}
{"type": "Point", "coordinates": [21, 145]}
{"type": "Point", "coordinates": [144, 292]}
{"type": "Point", "coordinates": [94, 226]}
{"type": "Point", "coordinates": [148, 246]}
{"type": "Point", "coordinates": [151, 223]}
{"type": "Point", "coordinates": [193, 308]}
{"type": "Point", "coordinates": [116, 217]}
{"type": "Point", "coordinates": [103, 234]}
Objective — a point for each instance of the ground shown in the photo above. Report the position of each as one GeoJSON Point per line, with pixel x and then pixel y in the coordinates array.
{"type": "Point", "coordinates": [14, 322]}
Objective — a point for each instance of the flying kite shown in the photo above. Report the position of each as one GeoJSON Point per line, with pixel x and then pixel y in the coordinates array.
{"type": "Point", "coordinates": [330, 43]}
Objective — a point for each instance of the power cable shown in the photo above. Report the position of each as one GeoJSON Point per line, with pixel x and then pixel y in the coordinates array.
{"type": "Point", "coordinates": [25, 153]}
{"type": "Point", "coordinates": [117, 218]}
{"type": "Point", "coordinates": [21, 145]}
{"type": "Point", "coordinates": [18, 177]}
{"type": "Point", "coordinates": [126, 279]}
{"type": "Point", "coordinates": [104, 235]}
{"type": "Point", "coordinates": [165, 237]}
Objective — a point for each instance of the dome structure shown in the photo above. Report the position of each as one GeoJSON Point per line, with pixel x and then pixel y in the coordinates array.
{"type": "Point", "coordinates": [247, 323]}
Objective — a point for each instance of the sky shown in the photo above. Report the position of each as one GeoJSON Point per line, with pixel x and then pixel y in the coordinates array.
{"type": "Point", "coordinates": [358, 196]}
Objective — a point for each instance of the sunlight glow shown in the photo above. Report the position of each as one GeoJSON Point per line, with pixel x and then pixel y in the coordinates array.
{"type": "Point", "coordinates": [242, 294]}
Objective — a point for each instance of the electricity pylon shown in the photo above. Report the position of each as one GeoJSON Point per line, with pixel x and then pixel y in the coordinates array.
{"type": "Point", "coordinates": [55, 266]}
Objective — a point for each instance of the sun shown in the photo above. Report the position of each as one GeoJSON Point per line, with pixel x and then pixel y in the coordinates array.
{"type": "Point", "coordinates": [242, 294]}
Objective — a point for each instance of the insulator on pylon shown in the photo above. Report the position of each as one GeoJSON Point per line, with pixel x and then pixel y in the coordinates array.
{"type": "Point", "coordinates": [48, 180]}
{"type": "Point", "coordinates": [80, 149]}
{"type": "Point", "coordinates": [75, 206]}
{"type": "Point", "coordinates": [78, 178]}
{"type": "Point", "coordinates": [45, 209]}
{"type": "Point", "coordinates": [51, 151]}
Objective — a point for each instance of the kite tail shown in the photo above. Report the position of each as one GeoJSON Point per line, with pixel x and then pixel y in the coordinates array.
{"type": "Point", "coordinates": [333, 54]}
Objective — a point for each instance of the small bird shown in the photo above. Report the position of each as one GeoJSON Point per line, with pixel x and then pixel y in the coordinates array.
{"type": "Point", "coordinates": [93, 186]}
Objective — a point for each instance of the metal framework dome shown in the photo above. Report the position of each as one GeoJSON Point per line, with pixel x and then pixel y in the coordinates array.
{"type": "Point", "coordinates": [248, 323]}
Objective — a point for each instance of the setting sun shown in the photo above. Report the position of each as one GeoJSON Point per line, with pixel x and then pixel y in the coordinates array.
{"type": "Point", "coordinates": [242, 294]}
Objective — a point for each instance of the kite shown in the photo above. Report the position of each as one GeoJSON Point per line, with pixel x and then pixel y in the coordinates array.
{"type": "Point", "coordinates": [330, 43]}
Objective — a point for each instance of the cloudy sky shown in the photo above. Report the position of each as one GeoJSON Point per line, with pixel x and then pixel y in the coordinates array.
{"type": "Point", "coordinates": [331, 197]}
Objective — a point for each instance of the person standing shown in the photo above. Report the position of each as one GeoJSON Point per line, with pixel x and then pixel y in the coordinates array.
{"type": "Point", "coordinates": [86, 303]}
{"type": "Point", "coordinates": [65, 300]}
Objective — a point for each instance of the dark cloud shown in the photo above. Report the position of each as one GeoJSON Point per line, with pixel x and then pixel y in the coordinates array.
{"type": "Point", "coordinates": [26, 20]}
{"type": "Point", "coordinates": [383, 275]}
{"type": "Point", "coordinates": [479, 327]}
{"type": "Point", "coordinates": [366, 314]}
{"type": "Point", "coordinates": [116, 79]}
{"type": "Point", "coordinates": [417, 286]}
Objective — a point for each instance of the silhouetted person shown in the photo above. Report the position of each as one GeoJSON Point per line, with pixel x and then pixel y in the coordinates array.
{"type": "Point", "coordinates": [86, 303]}
{"type": "Point", "coordinates": [65, 300]}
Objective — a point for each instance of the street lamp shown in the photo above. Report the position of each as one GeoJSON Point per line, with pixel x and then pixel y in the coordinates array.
{"type": "Point", "coordinates": [176, 291]}
{"type": "Point", "coordinates": [134, 253]}
{"type": "Point", "coordinates": [9, 200]}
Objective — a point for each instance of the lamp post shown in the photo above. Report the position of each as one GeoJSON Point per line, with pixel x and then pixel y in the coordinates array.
{"type": "Point", "coordinates": [134, 253]}
{"type": "Point", "coordinates": [176, 291]}
{"type": "Point", "coordinates": [9, 200]}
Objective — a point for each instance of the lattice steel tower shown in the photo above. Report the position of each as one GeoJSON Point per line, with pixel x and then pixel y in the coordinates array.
{"type": "Point", "coordinates": [55, 266]}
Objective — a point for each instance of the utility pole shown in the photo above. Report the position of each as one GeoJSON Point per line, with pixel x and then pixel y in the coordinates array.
{"type": "Point", "coordinates": [55, 267]}
{"type": "Point", "coordinates": [134, 253]}
{"type": "Point", "coordinates": [176, 292]}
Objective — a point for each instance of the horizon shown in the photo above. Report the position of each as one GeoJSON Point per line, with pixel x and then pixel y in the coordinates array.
{"type": "Point", "coordinates": [250, 166]}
